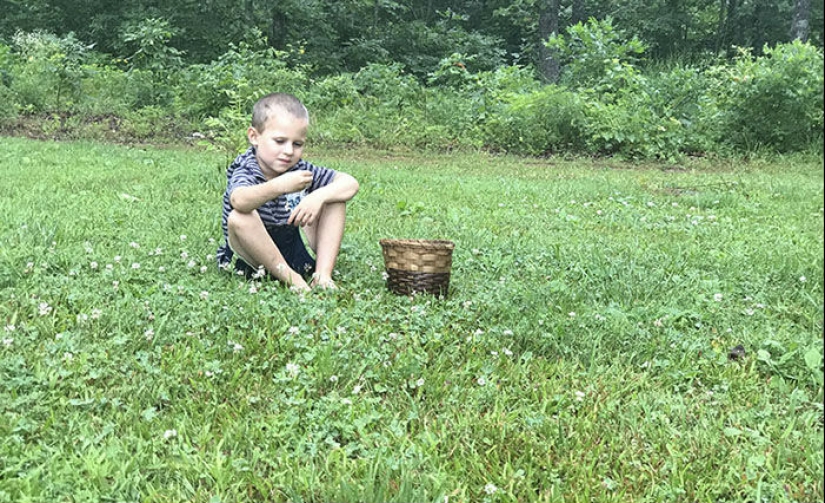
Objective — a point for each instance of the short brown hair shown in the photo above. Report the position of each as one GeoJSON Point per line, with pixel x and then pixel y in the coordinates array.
{"type": "Point", "coordinates": [266, 106]}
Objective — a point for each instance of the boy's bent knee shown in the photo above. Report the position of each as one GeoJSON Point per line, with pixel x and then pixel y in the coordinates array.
{"type": "Point", "coordinates": [236, 220]}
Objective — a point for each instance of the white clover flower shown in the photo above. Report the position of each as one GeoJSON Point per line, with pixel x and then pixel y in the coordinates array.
{"type": "Point", "coordinates": [183, 237]}
{"type": "Point", "coordinates": [419, 382]}
{"type": "Point", "coordinates": [341, 330]}
{"type": "Point", "coordinates": [149, 334]}
{"type": "Point", "coordinates": [717, 297]}
{"type": "Point", "coordinates": [10, 328]}
{"type": "Point", "coordinates": [333, 379]}
{"type": "Point", "coordinates": [237, 348]}
{"type": "Point", "coordinates": [253, 288]}
{"type": "Point", "coordinates": [93, 265]}
{"type": "Point", "coordinates": [169, 434]}
{"type": "Point", "coordinates": [134, 245]}
{"type": "Point", "coordinates": [346, 401]}
{"type": "Point", "coordinates": [292, 369]}
{"type": "Point", "coordinates": [184, 255]}
{"type": "Point", "coordinates": [357, 389]}
{"type": "Point", "coordinates": [135, 265]}
{"type": "Point", "coordinates": [44, 308]}
{"type": "Point", "coordinates": [109, 267]}
{"type": "Point", "coordinates": [204, 295]}
{"type": "Point", "coordinates": [294, 330]}
{"type": "Point", "coordinates": [117, 259]}
{"type": "Point", "coordinates": [8, 341]}
{"type": "Point", "coordinates": [507, 352]}
{"type": "Point", "coordinates": [508, 332]}
{"type": "Point", "coordinates": [68, 356]}
{"type": "Point", "coordinates": [490, 489]}
{"type": "Point", "coordinates": [82, 318]}
{"type": "Point", "coordinates": [96, 313]}
{"type": "Point", "coordinates": [191, 264]}
{"type": "Point", "coordinates": [571, 314]}
{"type": "Point", "coordinates": [802, 279]}
{"type": "Point", "coordinates": [481, 381]}
{"type": "Point", "coordinates": [579, 396]}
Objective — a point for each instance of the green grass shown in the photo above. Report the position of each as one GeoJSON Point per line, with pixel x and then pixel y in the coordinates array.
{"type": "Point", "coordinates": [582, 354]}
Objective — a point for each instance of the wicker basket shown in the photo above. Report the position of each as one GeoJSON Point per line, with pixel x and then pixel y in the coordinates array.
{"type": "Point", "coordinates": [418, 265]}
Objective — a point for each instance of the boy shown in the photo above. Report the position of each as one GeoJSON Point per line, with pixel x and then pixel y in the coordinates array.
{"type": "Point", "coordinates": [271, 192]}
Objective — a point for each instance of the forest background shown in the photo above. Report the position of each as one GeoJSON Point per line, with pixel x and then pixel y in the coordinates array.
{"type": "Point", "coordinates": [639, 79]}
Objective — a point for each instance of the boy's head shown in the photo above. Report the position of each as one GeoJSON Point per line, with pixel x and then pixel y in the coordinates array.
{"type": "Point", "coordinates": [277, 103]}
{"type": "Point", "coordinates": [278, 132]}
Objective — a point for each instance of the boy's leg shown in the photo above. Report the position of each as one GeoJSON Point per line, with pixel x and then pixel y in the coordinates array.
{"type": "Point", "coordinates": [325, 237]}
{"type": "Point", "coordinates": [250, 240]}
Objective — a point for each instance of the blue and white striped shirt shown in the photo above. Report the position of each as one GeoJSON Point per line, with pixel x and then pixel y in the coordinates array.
{"type": "Point", "coordinates": [245, 172]}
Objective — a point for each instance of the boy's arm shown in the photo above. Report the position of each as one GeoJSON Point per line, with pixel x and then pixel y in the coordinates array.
{"type": "Point", "coordinates": [249, 198]}
{"type": "Point", "coordinates": [341, 189]}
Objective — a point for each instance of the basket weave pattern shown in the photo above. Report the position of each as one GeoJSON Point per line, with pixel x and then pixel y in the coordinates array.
{"type": "Point", "coordinates": [418, 265]}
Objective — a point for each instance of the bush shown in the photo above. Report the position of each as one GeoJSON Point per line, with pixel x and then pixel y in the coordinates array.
{"type": "Point", "coordinates": [237, 78]}
{"type": "Point", "coordinates": [544, 121]}
{"type": "Point", "coordinates": [50, 70]}
{"type": "Point", "coordinates": [773, 101]}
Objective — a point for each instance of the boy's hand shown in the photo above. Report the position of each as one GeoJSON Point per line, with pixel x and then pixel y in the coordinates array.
{"type": "Point", "coordinates": [294, 181]}
{"type": "Point", "coordinates": [307, 211]}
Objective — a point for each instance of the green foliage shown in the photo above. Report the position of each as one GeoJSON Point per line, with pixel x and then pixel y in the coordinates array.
{"type": "Point", "coordinates": [774, 100]}
{"type": "Point", "coordinates": [50, 70]}
{"type": "Point", "coordinates": [237, 78]}
{"type": "Point", "coordinates": [595, 54]}
{"type": "Point", "coordinates": [148, 42]}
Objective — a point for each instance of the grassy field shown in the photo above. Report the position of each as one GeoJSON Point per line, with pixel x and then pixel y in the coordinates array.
{"type": "Point", "coordinates": [582, 354]}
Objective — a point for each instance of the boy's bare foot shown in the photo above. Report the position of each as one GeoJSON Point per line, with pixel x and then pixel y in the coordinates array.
{"type": "Point", "coordinates": [323, 282]}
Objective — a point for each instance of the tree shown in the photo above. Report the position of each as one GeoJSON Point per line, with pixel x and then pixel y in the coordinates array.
{"type": "Point", "coordinates": [548, 26]}
{"type": "Point", "coordinates": [800, 27]}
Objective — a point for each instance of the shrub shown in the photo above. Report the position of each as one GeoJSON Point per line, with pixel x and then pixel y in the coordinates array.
{"type": "Point", "coordinates": [50, 71]}
{"type": "Point", "coordinates": [237, 78]}
{"type": "Point", "coordinates": [540, 122]}
{"type": "Point", "coordinates": [773, 101]}
{"type": "Point", "coordinates": [590, 53]}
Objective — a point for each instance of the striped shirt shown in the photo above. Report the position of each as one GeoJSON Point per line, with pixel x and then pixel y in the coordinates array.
{"type": "Point", "coordinates": [245, 172]}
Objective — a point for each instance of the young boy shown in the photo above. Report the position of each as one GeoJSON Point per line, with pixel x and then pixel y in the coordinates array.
{"type": "Point", "coordinates": [271, 192]}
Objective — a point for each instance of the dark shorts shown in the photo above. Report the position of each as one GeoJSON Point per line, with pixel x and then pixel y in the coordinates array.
{"type": "Point", "coordinates": [289, 242]}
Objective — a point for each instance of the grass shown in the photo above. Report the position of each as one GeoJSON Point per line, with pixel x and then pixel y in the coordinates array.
{"type": "Point", "coordinates": [582, 354]}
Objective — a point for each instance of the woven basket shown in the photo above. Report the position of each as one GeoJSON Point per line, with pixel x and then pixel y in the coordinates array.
{"type": "Point", "coordinates": [418, 265]}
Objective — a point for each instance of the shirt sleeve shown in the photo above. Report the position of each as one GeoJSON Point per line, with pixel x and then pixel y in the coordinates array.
{"type": "Point", "coordinates": [241, 177]}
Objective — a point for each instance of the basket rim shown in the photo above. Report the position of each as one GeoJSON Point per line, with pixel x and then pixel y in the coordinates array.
{"type": "Point", "coordinates": [418, 243]}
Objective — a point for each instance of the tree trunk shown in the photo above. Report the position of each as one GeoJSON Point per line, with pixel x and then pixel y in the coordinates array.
{"type": "Point", "coordinates": [278, 28]}
{"type": "Point", "coordinates": [548, 25]}
{"type": "Point", "coordinates": [577, 12]}
{"type": "Point", "coordinates": [727, 24]}
{"type": "Point", "coordinates": [801, 26]}
{"type": "Point", "coordinates": [249, 12]}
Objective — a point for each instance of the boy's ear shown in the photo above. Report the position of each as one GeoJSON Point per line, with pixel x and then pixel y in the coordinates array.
{"type": "Point", "coordinates": [252, 136]}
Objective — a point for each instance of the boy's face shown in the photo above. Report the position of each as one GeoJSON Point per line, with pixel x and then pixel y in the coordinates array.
{"type": "Point", "coordinates": [281, 144]}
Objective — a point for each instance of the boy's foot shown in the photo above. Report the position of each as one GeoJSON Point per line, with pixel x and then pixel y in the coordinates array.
{"type": "Point", "coordinates": [323, 283]}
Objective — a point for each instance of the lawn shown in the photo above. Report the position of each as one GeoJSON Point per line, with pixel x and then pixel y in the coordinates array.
{"type": "Point", "coordinates": [583, 353]}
